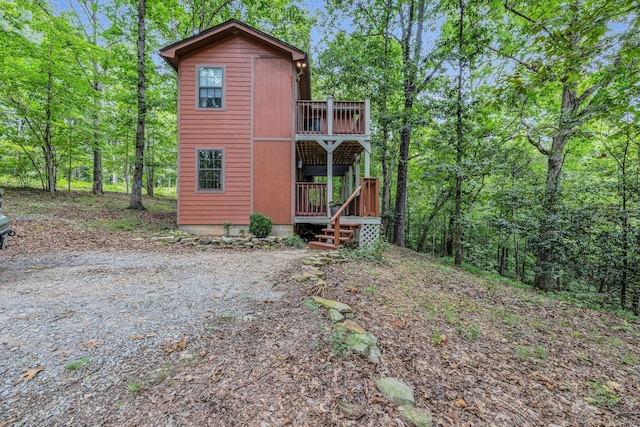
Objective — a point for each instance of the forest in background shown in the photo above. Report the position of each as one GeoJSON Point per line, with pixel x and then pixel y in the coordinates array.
{"type": "Point", "coordinates": [505, 133]}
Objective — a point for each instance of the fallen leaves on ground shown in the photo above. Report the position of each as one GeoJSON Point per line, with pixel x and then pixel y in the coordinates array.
{"type": "Point", "coordinates": [92, 343]}
{"type": "Point", "coordinates": [176, 346]}
{"type": "Point", "coordinates": [30, 374]}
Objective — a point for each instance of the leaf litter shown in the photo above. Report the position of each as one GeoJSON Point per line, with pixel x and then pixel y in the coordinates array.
{"type": "Point", "coordinates": [512, 357]}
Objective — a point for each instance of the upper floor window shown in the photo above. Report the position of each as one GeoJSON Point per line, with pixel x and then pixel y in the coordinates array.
{"type": "Point", "coordinates": [210, 87]}
{"type": "Point", "coordinates": [210, 169]}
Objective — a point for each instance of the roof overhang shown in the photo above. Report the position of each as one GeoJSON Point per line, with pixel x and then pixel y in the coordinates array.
{"type": "Point", "coordinates": [231, 28]}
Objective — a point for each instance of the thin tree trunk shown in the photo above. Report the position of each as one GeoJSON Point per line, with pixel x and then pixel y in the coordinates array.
{"type": "Point", "coordinates": [151, 167]}
{"type": "Point", "coordinates": [457, 223]}
{"type": "Point", "coordinates": [410, 91]}
{"type": "Point", "coordinates": [136, 191]}
{"type": "Point", "coordinates": [97, 153]}
{"type": "Point", "coordinates": [48, 148]}
{"type": "Point", "coordinates": [386, 170]}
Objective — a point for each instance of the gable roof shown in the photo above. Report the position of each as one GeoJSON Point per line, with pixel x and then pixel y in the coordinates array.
{"type": "Point", "coordinates": [172, 53]}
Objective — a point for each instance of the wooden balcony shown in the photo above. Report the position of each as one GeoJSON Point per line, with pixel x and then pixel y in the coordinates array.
{"type": "Point", "coordinates": [332, 117]}
{"type": "Point", "coordinates": [312, 201]}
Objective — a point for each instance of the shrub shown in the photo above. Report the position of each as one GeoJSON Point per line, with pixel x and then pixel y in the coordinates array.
{"type": "Point", "coordinates": [259, 225]}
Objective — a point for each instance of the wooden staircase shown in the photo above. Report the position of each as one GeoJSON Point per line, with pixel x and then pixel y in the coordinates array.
{"type": "Point", "coordinates": [327, 240]}
{"type": "Point", "coordinates": [337, 235]}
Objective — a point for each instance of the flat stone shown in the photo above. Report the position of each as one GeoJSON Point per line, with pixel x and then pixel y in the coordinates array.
{"type": "Point", "coordinates": [359, 347]}
{"type": "Point", "coordinates": [396, 391]}
{"type": "Point", "coordinates": [307, 262]}
{"type": "Point", "coordinates": [336, 305]}
{"type": "Point", "coordinates": [313, 273]}
{"type": "Point", "coordinates": [354, 339]}
{"type": "Point", "coordinates": [374, 354]}
{"type": "Point", "coordinates": [352, 411]}
{"type": "Point", "coordinates": [417, 417]}
{"type": "Point", "coordinates": [167, 239]}
{"type": "Point", "coordinates": [335, 315]}
{"type": "Point", "coordinates": [351, 326]}
{"type": "Point", "coordinates": [299, 278]}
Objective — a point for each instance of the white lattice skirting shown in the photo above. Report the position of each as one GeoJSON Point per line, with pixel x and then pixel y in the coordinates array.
{"type": "Point", "coordinates": [369, 234]}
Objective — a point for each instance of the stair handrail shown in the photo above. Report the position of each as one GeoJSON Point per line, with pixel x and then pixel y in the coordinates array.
{"type": "Point", "coordinates": [335, 219]}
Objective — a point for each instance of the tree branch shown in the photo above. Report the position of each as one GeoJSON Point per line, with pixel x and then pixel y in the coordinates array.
{"type": "Point", "coordinates": [533, 141]}
{"type": "Point", "coordinates": [531, 20]}
{"type": "Point", "coordinates": [430, 77]}
{"type": "Point", "coordinates": [528, 66]}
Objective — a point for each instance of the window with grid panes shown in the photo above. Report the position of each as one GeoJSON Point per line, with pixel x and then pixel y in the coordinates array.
{"type": "Point", "coordinates": [210, 169]}
{"type": "Point", "coordinates": [210, 87]}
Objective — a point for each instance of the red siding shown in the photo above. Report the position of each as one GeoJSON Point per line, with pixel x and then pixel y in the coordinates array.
{"type": "Point", "coordinates": [228, 129]}
{"type": "Point", "coordinates": [272, 180]}
{"type": "Point", "coordinates": [272, 119]}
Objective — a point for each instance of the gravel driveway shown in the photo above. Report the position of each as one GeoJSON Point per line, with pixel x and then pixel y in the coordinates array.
{"type": "Point", "coordinates": [97, 321]}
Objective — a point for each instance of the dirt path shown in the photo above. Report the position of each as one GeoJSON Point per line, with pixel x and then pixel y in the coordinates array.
{"type": "Point", "coordinates": [99, 323]}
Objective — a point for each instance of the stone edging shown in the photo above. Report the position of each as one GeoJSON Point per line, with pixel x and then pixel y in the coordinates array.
{"type": "Point", "coordinates": [355, 338]}
{"type": "Point", "coordinates": [204, 242]}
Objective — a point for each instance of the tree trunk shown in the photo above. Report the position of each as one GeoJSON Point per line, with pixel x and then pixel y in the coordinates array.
{"type": "Point", "coordinates": [48, 148]}
{"type": "Point", "coordinates": [97, 171]}
{"type": "Point", "coordinates": [410, 57]}
{"type": "Point", "coordinates": [151, 167]}
{"type": "Point", "coordinates": [545, 260]}
{"type": "Point", "coordinates": [97, 153]}
{"type": "Point", "coordinates": [136, 190]}
{"type": "Point", "coordinates": [457, 223]}
{"type": "Point", "coordinates": [401, 182]}
{"type": "Point", "coordinates": [384, 152]}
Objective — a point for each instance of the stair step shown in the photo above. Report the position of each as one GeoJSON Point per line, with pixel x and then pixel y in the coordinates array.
{"type": "Point", "coordinates": [321, 245]}
{"type": "Point", "coordinates": [342, 231]}
{"type": "Point", "coordinates": [349, 226]}
{"type": "Point", "coordinates": [331, 237]}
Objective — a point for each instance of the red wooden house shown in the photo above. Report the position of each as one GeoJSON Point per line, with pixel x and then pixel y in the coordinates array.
{"type": "Point", "coordinates": [251, 140]}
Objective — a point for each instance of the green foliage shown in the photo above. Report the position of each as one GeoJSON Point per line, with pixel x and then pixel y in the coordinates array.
{"type": "Point", "coordinates": [294, 241]}
{"type": "Point", "coordinates": [259, 225]}
{"type": "Point", "coordinates": [602, 394]}
{"type": "Point", "coordinates": [374, 254]}
{"type": "Point", "coordinates": [136, 388]}
{"type": "Point", "coordinates": [538, 353]}
{"type": "Point", "coordinates": [469, 332]}
{"type": "Point", "coordinates": [78, 364]}
{"type": "Point", "coordinates": [227, 227]}
{"type": "Point", "coordinates": [437, 337]}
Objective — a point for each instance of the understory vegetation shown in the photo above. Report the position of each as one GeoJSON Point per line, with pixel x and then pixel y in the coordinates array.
{"type": "Point", "coordinates": [505, 134]}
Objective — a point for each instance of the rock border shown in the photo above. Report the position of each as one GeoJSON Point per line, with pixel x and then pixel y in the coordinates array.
{"type": "Point", "coordinates": [211, 241]}
{"type": "Point", "coordinates": [354, 337]}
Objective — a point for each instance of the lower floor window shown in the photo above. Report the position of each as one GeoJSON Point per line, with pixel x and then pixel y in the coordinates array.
{"type": "Point", "coordinates": [210, 169]}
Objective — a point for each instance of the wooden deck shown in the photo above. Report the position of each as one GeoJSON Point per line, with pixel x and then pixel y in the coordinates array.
{"type": "Point", "coordinates": [332, 117]}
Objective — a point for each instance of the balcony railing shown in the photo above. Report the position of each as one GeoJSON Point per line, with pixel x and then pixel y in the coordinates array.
{"type": "Point", "coordinates": [332, 117]}
{"type": "Point", "coordinates": [311, 199]}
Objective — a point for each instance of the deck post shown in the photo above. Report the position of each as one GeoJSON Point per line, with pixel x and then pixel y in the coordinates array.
{"type": "Point", "coordinates": [329, 181]}
{"type": "Point", "coordinates": [367, 116]}
{"type": "Point", "coordinates": [367, 163]}
{"type": "Point", "coordinates": [356, 170]}
{"type": "Point", "coordinates": [329, 115]}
